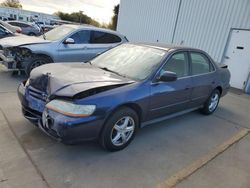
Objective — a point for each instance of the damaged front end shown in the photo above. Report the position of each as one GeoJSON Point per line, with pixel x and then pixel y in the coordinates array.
{"type": "Point", "coordinates": [97, 90]}
{"type": "Point", "coordinates": [36, 92]}
{"type": "Point", "coordinates": [13, 57]}
{"type": "Point", "coordinates": [33, 95]}
{"type": "Point", "coordinates": [45, 107]}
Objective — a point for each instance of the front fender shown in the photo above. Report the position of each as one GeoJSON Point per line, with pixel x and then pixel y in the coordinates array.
{"type": "Point", "coordinates": [41, 49]}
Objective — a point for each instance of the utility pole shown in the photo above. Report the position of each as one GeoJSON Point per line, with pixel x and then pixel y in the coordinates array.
{"type": "Point", "coordinates": [80, 12]}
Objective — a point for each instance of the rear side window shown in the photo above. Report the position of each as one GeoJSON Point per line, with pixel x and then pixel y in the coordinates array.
{"type": "Point", "coordinates": [99, 37]}
{"type": "Point", "coordinates": [200, 63]}
{"type": "Point", "coordinates": [81, 37]}
{"type": "Point", "coordinates": [13, 23]}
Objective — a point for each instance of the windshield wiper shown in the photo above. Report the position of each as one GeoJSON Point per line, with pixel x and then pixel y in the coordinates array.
{"type": "Point", "coordinates": [106, 69]}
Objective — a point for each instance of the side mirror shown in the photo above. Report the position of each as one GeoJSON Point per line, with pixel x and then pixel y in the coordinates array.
{"type": "Point", "coordinates": [69, 41]}
{"type": "Point", "coordinates": [168, 76]}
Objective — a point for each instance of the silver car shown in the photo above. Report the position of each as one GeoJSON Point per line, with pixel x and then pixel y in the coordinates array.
{"type": "Point", "coordinates": [30, 29]}
{"type": "Point", "coordinates": [66, 43]}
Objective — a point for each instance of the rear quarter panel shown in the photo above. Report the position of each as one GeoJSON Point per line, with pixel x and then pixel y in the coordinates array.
{"type": "Point", "coordinates": [224, 79]}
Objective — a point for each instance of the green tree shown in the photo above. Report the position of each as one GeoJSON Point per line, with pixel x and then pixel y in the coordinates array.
{"type": "Point", "coordinates": [12, 3]}
{"type": "Point", "coordinates": [113, 24]}
{"type": "Point", "coordinates": [77, 17]}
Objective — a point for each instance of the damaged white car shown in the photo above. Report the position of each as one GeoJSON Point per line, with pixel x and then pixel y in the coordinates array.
{"type": "Point", "coordinates": [66, 43]}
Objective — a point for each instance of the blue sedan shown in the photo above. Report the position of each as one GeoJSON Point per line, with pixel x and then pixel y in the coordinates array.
{"type": "Point", "coordinates": [121, 90]}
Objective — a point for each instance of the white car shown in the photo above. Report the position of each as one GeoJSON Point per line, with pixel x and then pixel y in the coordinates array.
{"type": "Point", "coordinates": [12, 28]}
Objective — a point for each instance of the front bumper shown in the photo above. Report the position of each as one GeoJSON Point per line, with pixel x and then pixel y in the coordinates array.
{"type": "Point", "coordinates": [58, 126]}
{"type": "Point", "coordinates": [9, 63]}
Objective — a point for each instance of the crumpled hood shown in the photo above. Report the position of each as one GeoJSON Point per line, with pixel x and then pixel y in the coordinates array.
{"type": "Point", "coordinates": [21, 40]}
{"type": "Point", "coordinates": [69, 79]}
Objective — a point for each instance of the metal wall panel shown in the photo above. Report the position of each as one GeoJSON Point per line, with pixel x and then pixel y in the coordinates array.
{"type": "Point", "coordinates": [203, 24]}
{"type": "Point", "coordinates": [206, 24]}
{"type": "Point", "coordinates": [148, 20]}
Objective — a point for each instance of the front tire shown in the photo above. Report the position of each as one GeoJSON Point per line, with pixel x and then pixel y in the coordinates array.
{"type": "Point", "coordinates": [212, 103]}
{"type": "Point", "coordinates": [119, 130]}
{"type": "Point", "coordinates": [36, 62]}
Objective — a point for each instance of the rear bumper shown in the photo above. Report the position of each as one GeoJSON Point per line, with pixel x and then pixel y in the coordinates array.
{"type": "Point", "coordinates": [225, 90]}
{"type": "Point", "coordinates": [61, 128]}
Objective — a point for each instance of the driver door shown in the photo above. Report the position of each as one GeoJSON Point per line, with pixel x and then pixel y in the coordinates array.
{"type": "Point", "coordinates": [173, 96]}
{"type": "Point", "coordinates": [78, 51]}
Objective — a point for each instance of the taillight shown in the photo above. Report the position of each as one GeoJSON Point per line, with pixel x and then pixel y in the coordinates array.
{"type": "Point", "coordinates": [19, 30]}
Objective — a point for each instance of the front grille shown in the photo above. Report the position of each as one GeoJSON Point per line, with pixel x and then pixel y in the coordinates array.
{"type": "Point", "coordinates": [31, 115]}
{"type": "Point", "coordinates": [37, 93]}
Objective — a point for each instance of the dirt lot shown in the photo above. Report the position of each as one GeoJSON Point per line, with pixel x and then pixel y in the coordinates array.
{"type": "Point", "coordinates": [28, 158]}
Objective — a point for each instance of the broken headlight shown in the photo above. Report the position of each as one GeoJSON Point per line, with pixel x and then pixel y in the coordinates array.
{"type": "Point", "coordinates": [27, 83]}
{"type": "Point", "coordinates": [70, 109]}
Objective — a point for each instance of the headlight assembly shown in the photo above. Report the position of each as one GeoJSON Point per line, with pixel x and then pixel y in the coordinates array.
{"type": "Point", "coordinates": [27, 83]}
{"type": "Point", "coordinates": [70, 109]}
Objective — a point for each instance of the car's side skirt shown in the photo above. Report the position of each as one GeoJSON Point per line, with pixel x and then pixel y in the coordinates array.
{"type": "Point", "coordinates": [143, 124]}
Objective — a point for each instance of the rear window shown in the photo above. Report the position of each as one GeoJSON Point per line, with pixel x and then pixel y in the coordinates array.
{"type": "Point", "coordinates": [99, 37]}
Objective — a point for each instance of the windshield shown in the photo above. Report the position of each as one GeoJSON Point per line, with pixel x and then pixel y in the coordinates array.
{"type": "Point", "coordinates": [133, 61]}
{"type": "Point", "coordinates": [58, 33]}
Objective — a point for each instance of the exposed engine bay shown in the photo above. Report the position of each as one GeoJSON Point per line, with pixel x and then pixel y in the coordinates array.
{"type": "Point", "coordinates": [16, 55]}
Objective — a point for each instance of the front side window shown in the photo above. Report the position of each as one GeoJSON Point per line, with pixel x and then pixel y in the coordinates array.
{"type": "Point", "coordinates": [81, 37]}
{"type": "Point", "coordinates": [200, 64]}
{"type": "Point", "coordinates": [178, 64]}
{"type": "Point", "coordinates": [99, 37]}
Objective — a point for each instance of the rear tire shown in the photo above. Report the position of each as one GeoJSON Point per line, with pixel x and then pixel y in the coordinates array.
{"type": "Point", "coordinates": [212, 103]}
{"type": "Point", "coordinates": [36, 62]}
{"type": "Point", "coordinates": [119, 130]}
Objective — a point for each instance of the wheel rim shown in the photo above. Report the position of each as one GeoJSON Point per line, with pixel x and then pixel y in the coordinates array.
{"type": "Point", "coordinates": [122, 131]}
{"type": "Point", "coordinates": [213, 102]}
{"type": "Point", "coordinates": [36, 64]}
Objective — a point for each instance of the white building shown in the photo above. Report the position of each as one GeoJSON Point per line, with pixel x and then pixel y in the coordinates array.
{"type": "Point", "coordinates": [220, 27]}
{"type": "Point", "coordinates": [25, 15]}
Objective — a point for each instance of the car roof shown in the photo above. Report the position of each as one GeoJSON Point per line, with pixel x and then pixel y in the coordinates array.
{"type": "Point", "coordinates": [165, 46]}
{"type": "Point", "coordinates": [86, 26]}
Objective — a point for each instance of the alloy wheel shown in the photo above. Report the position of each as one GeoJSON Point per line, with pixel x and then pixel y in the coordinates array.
{"type": "Point", "coordinates": [214, 102]}
{"type": "Point", "coordinates": [122, 131]}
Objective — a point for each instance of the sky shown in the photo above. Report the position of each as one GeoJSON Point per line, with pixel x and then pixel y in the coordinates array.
{"type": "Point", "coordinates": [100, 10]}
